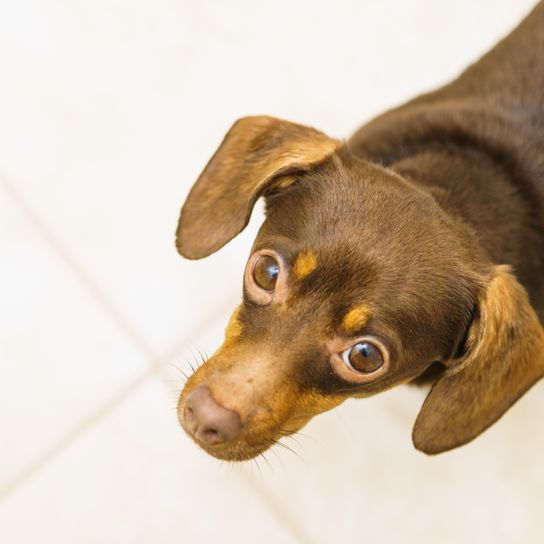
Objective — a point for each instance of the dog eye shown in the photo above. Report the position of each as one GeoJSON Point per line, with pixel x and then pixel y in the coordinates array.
{"type": "Point", "coordinates": [363, 357]}
{"type": "Point", "coordinates": [265, 272]}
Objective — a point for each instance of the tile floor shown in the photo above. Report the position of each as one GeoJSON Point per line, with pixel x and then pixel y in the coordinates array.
{"type": "Point", "coordinates": [108, 111]}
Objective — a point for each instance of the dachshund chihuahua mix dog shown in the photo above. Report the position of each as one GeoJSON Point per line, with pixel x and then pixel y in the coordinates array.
{"type": "Point", "coordinates": [412, 252]}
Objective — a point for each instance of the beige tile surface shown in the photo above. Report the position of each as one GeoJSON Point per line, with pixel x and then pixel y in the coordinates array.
{"type": "Point", "coordinates": [61, 354]}
{"type": "Point", "coordinates": [108, 112]}
{"type": "Point", "coordinates": [372, 484]}
{"type": "Point", "coordinates": [134, 480]}
{"type": "Point", "coordinates": [108, 147]}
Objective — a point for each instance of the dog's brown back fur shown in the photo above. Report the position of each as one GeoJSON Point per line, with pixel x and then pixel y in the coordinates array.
{"type": "Point", "coordinates": [478, 144]}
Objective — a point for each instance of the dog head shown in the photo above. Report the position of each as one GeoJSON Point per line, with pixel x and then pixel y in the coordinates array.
{"type": "Point", "coordinates": [358, 281]}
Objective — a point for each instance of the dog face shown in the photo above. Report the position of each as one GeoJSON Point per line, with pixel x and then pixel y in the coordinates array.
{"type": "Point", "coordinates": [358, 281]}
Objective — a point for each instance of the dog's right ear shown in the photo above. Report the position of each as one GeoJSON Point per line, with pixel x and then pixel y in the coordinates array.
{"type": "Point", "coordinates": [256, 154]}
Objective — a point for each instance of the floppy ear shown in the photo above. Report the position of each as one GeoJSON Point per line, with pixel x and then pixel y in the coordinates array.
{"type": "Point", "coordinates": [505, 357]}
{"type": "Point", "coordinates": [254, 155]}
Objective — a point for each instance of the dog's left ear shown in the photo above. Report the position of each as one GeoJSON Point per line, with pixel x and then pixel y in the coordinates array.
{"type": "Point", "coordinates": [504, 358]}
{"type": "Point", "coordinates": [256, 155]}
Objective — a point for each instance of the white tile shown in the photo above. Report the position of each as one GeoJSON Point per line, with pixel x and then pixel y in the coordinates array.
{"type": "Point", "coordinates": [105, 152]}
{"type": "Point", "coordinates": [61, 355]}
{"type": "Point", "coordinates": [137, 479]}
{"type": "Point", "coordinates": [361, 480]}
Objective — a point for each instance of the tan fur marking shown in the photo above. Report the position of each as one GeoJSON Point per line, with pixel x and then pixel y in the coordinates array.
{"type": "Point", "coordinates": [285, 182]}
{"type": "Point", "coordinates": [234, 327]}
{"type": "Point", "coordinates": [356, 318]}
{"type": "Point", "coordinates": [305, 264]}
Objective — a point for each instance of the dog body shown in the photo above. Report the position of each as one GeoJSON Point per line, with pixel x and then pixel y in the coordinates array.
{"type": "Point", "coordinates": [478, 146]}
{"type": "Point", "coordinates": [412, 252]}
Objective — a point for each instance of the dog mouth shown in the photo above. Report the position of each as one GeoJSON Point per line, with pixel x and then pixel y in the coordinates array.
{"type": "Point", "coordinates": [237, 452]}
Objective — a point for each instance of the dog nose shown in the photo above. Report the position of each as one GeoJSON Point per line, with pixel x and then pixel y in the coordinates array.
{"type": "Point", "coordinates": [207, 420]}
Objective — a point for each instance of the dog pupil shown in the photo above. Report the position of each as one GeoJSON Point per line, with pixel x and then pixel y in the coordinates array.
{"type": "Point", "coordinates": [266, 272]}
{"type": "Point", "coordinates": [365, 357]}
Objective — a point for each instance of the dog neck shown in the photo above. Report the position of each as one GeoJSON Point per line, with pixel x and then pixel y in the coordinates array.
{"type": "Point", "coordinates": [479, 189]}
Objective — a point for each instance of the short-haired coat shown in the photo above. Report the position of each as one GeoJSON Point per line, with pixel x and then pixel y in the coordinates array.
{"type": "Point", "coordinates": [412, 252]}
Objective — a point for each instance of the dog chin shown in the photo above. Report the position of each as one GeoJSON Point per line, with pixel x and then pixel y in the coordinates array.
{"type": "Point", "coordinates": [235, 452]}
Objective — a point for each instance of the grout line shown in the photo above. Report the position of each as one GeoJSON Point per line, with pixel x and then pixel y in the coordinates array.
{"type": "Point", "coordinates": [276, 508]}
{"type": "Point", "coordinates": [155, 362]}
{"type": "Point", "coordinates": [97, 415]}
{"type": "Point", "coordinates": [72, 435]}
{"type": "Point", "coordinates": [125, 392]}
{"type": "Point", "coordinates": [55, 243]}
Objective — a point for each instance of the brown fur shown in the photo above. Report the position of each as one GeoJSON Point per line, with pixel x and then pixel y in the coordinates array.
{"type": "Point", "coordinates": [432, 216]}
{"type": "Point", "coordinates": [253, 155]}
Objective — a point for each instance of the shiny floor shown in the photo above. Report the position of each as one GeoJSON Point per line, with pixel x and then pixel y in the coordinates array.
{"type": "Point", "coordinates": [108, 111]}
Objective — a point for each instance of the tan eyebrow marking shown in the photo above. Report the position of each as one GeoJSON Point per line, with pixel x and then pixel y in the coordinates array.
{"type": "Point", "coordinates": [234, 327]}
{"type": "Point", "coordinates": [356, 318]}
{"type": "Point", "coordinates": [305, 264]}
{"type": "Point", "coordinates": [285, 182]}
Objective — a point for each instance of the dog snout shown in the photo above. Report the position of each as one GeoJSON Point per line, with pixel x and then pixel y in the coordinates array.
{"type": "Point", "coordinates": [207, 420]}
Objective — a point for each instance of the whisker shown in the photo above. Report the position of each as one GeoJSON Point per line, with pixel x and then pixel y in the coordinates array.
{"type": "Point", "coordinates": [307, 436]}
{"type": "Point", "coordinates": [195, 360]}
{"type": "Point", "coordinates": [278, 457]}
{"type": "Point", "coordinates": [267, 461]}
{"type": "Point", "coordinates": [202, 358]}
{"type": "Point", "coordinates": [258, 468]}
{"type": "Point", "coordinates": [291, 437]}
{"type": "Point", "coordinates": [179, 371]}
{"type": "Point", "coordinates": [288, 448]}
{"type": "Point", "coordinates": [284, 432]}
{"type": "Point", "coordinates": [184, 377]}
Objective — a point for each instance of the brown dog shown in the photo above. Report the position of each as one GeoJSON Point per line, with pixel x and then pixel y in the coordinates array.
{"type": "Point", "coordinates": [412, 252]}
